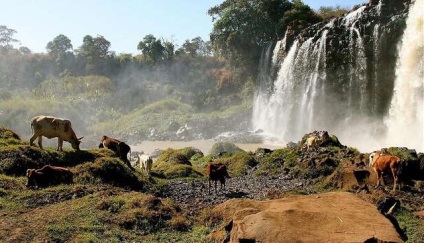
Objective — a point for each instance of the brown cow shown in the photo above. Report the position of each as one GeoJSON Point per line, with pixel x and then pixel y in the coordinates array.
{"type": "Point", "coordinates": [383, 163]}
{"type": "Point", "coordinates": [52, 127]}
{"type": "Point", "coordinates": [121, 149]}
{"type": "Point", "coordinates": [216, 172]}
{"type": "Point", "coordinates": [48, 175]}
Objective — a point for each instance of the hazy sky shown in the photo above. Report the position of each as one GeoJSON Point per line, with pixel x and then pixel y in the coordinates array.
{"type": "Point", "coordinates": [122, 22]}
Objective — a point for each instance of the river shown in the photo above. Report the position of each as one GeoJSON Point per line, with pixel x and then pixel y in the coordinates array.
{"type": "Point", "coordinates": [204, 145]}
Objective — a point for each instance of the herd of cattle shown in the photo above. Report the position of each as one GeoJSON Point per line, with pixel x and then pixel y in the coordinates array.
{"type": "Point", "coordinates": [51, 127]}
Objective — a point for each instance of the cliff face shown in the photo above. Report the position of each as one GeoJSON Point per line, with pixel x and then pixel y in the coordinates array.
{"type": "Point", "coordinates": [362, 48]}
{"type": "Point", "coordinates": [332, 74]}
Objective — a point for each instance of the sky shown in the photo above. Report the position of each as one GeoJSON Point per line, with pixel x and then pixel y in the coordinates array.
{"type": "Point", "coordinates": [122, 22]}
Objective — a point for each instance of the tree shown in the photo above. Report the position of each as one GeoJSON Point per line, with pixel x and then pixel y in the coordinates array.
{"type": "Point", "coordinates": [59, 45]}
{"type": "Point", "coordinates": [300, 13]}
{"type": "Point", "coordinates": [243, 27]}
{"type": "Point", "coordinates": [95, 53]}
{"type": "Point", "coordinates": [6, 38]}
{"type": "Point", "coordinates": [328, 12]}
{"type": "Point", "coordinates": [196, 47]}
{"type": "Point", "coordinates": [24, 50]}
{"type": "Point", "coordinates": [60, 50]}
{"type": "Point", "coordinates": [169, 50]}
{"type": "Point", "coordinates": [152, 48]}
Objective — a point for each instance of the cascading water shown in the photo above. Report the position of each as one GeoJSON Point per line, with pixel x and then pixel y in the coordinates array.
{"type": "Point", "coordinates": [405, 120]}
{"type": "Point", "coordinates": [328, 81]}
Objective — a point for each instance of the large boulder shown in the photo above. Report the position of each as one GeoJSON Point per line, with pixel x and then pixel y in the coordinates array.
{"type": "Point", "coordinates": [329, 217]}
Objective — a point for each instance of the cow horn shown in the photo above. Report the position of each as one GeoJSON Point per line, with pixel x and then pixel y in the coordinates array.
{"type": "Point", "coordinates": [80, 138]}
{"type": "Point", "coordinates": [390, 212]}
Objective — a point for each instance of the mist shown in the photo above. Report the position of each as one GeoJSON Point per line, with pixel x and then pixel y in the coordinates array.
{"type": "Point", "coordinates": [366, 91]}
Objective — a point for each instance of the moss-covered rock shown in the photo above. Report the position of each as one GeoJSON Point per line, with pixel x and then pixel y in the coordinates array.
{"type": "Point", "coordinates": [224, 148]}
{"type": "Point", "coordinates": [278, 161]}
{"type": "Point", "coordinates": [239, 163]}
{"type": "Point", "coordinates": [109, 171]}
{"type": "Point", "coordinates": [175, 164]}
{"type": "Point", "coordinates": [9, 137]}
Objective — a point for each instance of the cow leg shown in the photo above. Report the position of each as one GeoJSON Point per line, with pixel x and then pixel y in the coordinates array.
{"type": "Point", "coordinates": [31, 140]}
{"type": "Point", "coordinates": [378, 177]}
{"type": "Point", "coordinates": [127, 162]}
{"type": "Point", "coordinates": [40, 142]}
{"type": "Point", "coordinates": [59, 144]}
{"type": "Point", "coordinates": [395, 180]}
{"type": "Point", "coordinates": [216, 185]}
{"type": "Point", "coordinates": [209, 187]}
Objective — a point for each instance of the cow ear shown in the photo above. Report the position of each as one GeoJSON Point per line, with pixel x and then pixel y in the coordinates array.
{"type": "Point", "coordinates": [80, 138]}
{"type": "Point", "coordinates": [27, 172]}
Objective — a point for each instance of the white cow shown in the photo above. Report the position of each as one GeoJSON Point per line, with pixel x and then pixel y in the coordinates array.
{"type": "Point", "coordinates": [145, 162]}
{"type": "Point", "coordinates": [52, 127]}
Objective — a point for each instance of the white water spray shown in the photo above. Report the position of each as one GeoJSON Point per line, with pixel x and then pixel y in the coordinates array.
{"type": "Point", "coordinates": [405, 120]}
{"type": "Point", "coordinates": [345, 99]}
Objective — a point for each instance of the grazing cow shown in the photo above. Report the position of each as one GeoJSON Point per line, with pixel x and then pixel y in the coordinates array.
{"type": "Point", "coordinates": [48, 175]}
{"type": "Point", "coordinates": [383, 163]}
{"type": "Point", "coordinates": [145, 162]}
{"type": "Point", "coordinates": [121, 149]}
{"type": "Point", "coordinates": [51, 127]}
{"type": "Point", "coordinates": [312, 142]}
{"type": "Point", "coordinates": [216, 172]}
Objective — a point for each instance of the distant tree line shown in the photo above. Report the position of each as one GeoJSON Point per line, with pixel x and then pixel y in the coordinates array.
{"type": "Point", "coordinates": [211, 72]}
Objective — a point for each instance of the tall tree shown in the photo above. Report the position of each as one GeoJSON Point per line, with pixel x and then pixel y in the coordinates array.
{"type": "Point", "coordinates": [152, 48]}
{"type": "Point", "coordinates": [196, 47]}
{"type": "Point", "coordinates": [6, 38]}
{"type": "Point", "coordinates": [242, 27]}
{"type": "Point", "coordinates": [95, 53]}
{"type": "Point", "coordinates": [60, 50]}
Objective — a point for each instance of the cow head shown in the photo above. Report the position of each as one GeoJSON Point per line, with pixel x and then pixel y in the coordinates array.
{"type": "Point", "coordinates": [372, 155]}
{"type": "Point", "coordinates": [75, 143]}
{"type": "Point", "coordinates": [31, 175]}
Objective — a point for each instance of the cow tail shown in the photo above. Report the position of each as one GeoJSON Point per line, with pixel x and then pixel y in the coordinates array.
{"type": "Point", "coordinates": [130, 153]}
{"type": "Point", "coordinates": [31, 125]}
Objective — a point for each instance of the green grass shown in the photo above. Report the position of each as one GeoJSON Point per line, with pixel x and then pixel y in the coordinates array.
{"type": "Point", "coordinates": [414, 226]}
{"type": "Point", "coordinates": [238, 164]}
{"type": "Point", "coordinates": [277, 161]}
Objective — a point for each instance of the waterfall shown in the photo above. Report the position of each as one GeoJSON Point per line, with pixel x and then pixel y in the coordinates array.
{"type": "Point", "coordinates": [339, 77]}
{"type": "Point", "coordinates": [405, 119]}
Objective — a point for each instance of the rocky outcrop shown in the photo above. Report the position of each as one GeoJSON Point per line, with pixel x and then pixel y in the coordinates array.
{"type": "Point", "coordinates": [364, 42]}
{"type": "Point", "coordinates": [329, 217]}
